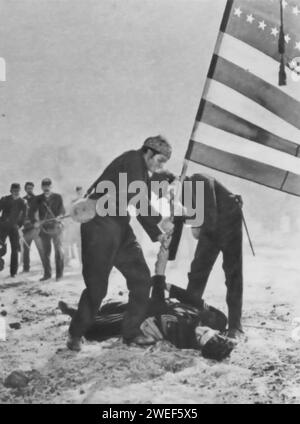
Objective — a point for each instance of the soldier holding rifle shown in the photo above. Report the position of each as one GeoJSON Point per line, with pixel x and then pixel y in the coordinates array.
{"type": "Point", "coordinates": [49, 208]}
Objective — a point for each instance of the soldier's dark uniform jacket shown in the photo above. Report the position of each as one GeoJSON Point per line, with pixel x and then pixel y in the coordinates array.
{"type": "Point", "coordinates": [50, 207]}
{"type": "Point", "coordinates": [133, 165]}
{"type": "Point", "coordinates": [13, 211]}
{"type": "Point", "coordinates": [221, 232]}
{"type": "Point", "coordinates": [30, 219]}
{"type": "Point", "coordinates": [30, 233]}
{"type": "Point", "coordinates": [12, 218]}
{"type": "Point", "coordinates": [109, 241]}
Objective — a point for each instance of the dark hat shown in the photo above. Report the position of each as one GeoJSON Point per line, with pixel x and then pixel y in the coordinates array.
{"type": "Point", "coordinates": [29, 183]}
{"type": "Point", "coordinates": [15, 186]}
{"type": "Point", "coordinates": [46, 182]}
{"type": "Point", "coordinates": [159, 144]}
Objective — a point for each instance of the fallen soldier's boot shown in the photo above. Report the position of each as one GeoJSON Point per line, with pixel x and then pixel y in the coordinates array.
{"type": "Point", "coordinates": [214, 345]}
{"type": "Point", "coordinates": [66, 309]}
{"type": "Point", "coordinates": [140, 340]}
{"type": "Point", "coordinates": [74, 343]}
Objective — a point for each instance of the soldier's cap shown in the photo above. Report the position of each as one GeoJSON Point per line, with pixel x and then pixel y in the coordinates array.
{"type": "Point", "coordinates": [159, 144]}
{"type": "Point", "coordinates": [29, 183]}
{"type": "Point", "coordinates": [15, 186]}
{"type": "Point", "coordinates": [46, 182]}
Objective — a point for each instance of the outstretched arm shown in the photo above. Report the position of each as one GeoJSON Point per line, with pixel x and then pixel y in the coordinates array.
{"type": "Point", "coordinates": [183, 296]}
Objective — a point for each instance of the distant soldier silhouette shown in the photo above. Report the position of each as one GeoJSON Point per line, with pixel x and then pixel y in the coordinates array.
{"type": "Point", "coordinates": [49, 206]}
{"type": "Point", "coordinates": [13, 210]}
{"type": "Point", "coordinates": [30, 230]}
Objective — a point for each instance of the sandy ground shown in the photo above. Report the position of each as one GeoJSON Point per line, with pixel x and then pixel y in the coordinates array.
{"type": "Point", "coordinates": [263, 369]}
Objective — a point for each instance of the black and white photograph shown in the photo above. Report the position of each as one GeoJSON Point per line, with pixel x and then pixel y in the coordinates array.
{"type": "Point", "coordinates": [149, 204]}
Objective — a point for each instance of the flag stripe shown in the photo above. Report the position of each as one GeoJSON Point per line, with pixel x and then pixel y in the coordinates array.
{"type": "Point", "coordinates": [265, 94]}
{"type": "Point", "coordinates": [245, 108]}
{"type": "Point", "coordinates": [215, 116]}
{"type": "Point", "coordinates": [243, 167]}
{"type": "Point", "coordinates": [259, 64]}
{"type": "Point", "coordinates": [291, 184]}
{"type": "Point", "coordinates": [236, 145]}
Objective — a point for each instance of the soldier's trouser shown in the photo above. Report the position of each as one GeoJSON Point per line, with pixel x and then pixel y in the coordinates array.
{"type": "Point", "coordinates": [44, 247]}
{"type": "Point", "coordinates": [13, 234]}
{"type": "Point", "coordinates": [29, 236]}
{"type": "Point", "coordinates": [228, 240]}
{"type": "Point", "coordinates": [107, 242]}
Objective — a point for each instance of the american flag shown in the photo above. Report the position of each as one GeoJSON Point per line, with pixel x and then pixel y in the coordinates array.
{"type": "Point", "coordinates": [247, 124]}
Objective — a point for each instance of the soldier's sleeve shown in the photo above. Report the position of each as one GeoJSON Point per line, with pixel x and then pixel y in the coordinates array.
{"type": "Point", "coordinates": [136, 172]}
{"type": "Point", "coordinates": [210, 203]}
{"type": "Point", "coordinates": [31, 211]}
{"type": "Point", "coordinates": [22, 214]}
{"type": "Point", "coordinates": [27, 208]}
{"type": "Point", "coordinates": [61, 209]}
{"type": "Point", "coordinates": [132, 166]}
{"type": "Point", "coordinates": [35, 210]}
{"type": "Point", "coordinates": [178, 293]}
{"type": "Point", "coordinates": [1, 203]}
{"type": "Point", "coordinates": [150, 225]}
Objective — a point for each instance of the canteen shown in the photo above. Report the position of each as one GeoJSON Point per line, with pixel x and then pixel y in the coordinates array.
{"type": "Point", "coordinates": [83, 210]}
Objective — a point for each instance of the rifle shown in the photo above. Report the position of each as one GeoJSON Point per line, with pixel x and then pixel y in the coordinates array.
{"type": "Point", "coordinates": [49, 220]}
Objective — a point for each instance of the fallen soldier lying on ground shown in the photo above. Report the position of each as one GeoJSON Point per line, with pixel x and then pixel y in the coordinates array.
{"type": "Point", "coordinates": [173, 319]}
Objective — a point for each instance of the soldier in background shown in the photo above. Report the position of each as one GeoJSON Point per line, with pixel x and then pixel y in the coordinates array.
{"type": "Point", "coordinates": [49, 206]}
{"type": "Point", "coordinates": [13, 210]}
{"type": "Point", "coordinates": [30, 231]}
